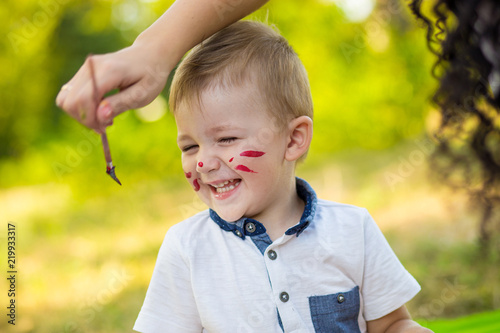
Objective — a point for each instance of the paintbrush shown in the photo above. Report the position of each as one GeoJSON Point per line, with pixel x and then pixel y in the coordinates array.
{"type": "Point", "coordinates": [110, 169]}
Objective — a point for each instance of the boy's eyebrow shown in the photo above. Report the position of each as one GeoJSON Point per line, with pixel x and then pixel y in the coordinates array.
{"type": "Point", "coordinates": [222, 128]}
{"type": "Point", "coordinates": [215, 130]}
{"type": "Point", "coordinates": [182, 137]}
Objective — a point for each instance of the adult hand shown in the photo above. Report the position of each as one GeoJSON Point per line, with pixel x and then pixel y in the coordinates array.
{"type": "Point", "coordinates": [140, 71]}
{"type": "Point", "coordinates": [134, 71]}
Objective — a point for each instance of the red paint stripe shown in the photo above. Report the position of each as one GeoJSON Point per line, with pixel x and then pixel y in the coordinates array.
{"type": "Point", "coordinates": [196, 185]}
{"type": "Point", "coordinates": [231, 159]}
{"type": "Point", "coordinates": [188, 174]}
{"type": "Point", "coordinates": [244, 168]}
{"type": "Point", "coordinates": [252, 153]}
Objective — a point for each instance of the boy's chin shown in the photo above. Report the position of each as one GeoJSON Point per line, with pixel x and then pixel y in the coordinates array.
{"type": "Point", "coordinates": [228, 216]}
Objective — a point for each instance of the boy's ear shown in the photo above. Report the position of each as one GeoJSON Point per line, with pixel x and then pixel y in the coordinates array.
{"type": "Point", "coordinates": [300, 132]}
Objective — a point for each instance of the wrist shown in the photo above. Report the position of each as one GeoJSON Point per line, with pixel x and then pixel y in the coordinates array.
{"type": "Point", "coordinates": [156, 50]}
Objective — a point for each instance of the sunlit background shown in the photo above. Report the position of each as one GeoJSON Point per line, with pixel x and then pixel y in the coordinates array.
{"type": "Point", "coordinates": [86, 247]}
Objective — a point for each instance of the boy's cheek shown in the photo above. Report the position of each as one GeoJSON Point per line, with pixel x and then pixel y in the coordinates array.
{"type": "Point", "coordinates": [264, 137]}
{"type": "Point", "coordinates": [188, 164]}
{"type": "Point", "coordinates": [250, 161]}
{"type": "Point", "coordinates": [193, 180]}
{"type": "Point", "coordinates": [255, 143]}
{"type": "Point", "coordinates": [190, 174]}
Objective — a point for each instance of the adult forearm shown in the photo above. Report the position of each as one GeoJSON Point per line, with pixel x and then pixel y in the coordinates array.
{"type": "Point", "coordinates": [187, 22]}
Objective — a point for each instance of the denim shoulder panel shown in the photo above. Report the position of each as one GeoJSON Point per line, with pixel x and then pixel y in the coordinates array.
{"type": "Point", "coordinates": [335, 312]}
{"type": "Point", "coordinates": [306, 193]}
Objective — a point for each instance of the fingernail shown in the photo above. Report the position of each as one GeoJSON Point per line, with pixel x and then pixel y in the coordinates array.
{"type": "Point", "coordinates": [106, 109]}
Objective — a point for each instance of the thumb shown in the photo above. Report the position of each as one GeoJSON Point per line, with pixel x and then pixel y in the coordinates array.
{"type": "Point", "coordinates": [135, 96]}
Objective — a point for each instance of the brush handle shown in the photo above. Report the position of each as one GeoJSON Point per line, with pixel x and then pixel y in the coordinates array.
{"type": "Point", "coordinates": [110, 169]}
{"type": "Point", "coordinates": [105, 147]}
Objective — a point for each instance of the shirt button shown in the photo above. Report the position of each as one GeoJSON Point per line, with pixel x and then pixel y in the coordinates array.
{"type": "Point", "coordinates": [272, 254]}
{"type": "Point", "coordinates": [238, 233]}
{"type": "Point", "coordinates": [250, 227]}
{"type": "Point", "coordinates": [284, 297]}
{"type": "Point", "coordinates": [340, 298]}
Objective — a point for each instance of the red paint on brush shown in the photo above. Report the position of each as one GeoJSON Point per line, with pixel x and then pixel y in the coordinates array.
{"type": "Point", "coordinates": [200, 164]}
{"type": "Point", "coordinates": [252, 153]}
{"type": "Point", "coordinates": [244, 168]}
{"type": "Point", "coordinates": [196, 185]}
{"type": "Point", "coordinates": [188, 174]}
{"type": "Point", "coordinates": [231, 159]}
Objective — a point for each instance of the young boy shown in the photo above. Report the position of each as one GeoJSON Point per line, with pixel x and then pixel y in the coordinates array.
{"type": "Point", "coordinates": [268, 256]}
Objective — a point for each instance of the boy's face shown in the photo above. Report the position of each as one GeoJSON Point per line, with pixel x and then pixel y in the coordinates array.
{"type": "Point", "coordinates": [232, 152]}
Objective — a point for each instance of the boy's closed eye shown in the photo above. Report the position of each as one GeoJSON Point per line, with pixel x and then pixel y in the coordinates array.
{"type": "Point", "coordinates": [187, 148]}
{"type": "Point", "coordinates": [228, 140]}
{"type": "Point", "coordinates": [225, 140]}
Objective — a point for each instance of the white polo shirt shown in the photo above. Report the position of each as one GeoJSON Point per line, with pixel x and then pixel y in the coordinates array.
{"type": "Point", "coordinates": [331, 272]}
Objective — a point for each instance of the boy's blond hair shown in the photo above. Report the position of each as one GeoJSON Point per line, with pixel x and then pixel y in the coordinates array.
{"type": "Point", "coordinates": [246, 50]}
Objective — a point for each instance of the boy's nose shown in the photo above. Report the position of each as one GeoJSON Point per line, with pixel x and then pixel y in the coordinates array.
{"type": "Point", "coordinates": [205, 165]}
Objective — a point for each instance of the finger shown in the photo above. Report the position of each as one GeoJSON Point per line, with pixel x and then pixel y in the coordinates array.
{"type": "Point", "coordinates": [134, 96]}
{"type": "Point", "coordinates": [74, 85]}
{"type": "Point", "coordinates": [87, 106]}
{"type": "Point", "coordinates": [63, 92]}
{"type": "Point", "coordinates": [105, 113]}
{"type": "Point", "coordinates": [78, 105]}
{"type": "Point", "coordinates": [78, 97]}
{"type": "Point", "coordinates": [71, 97]}
{"type": "Point", "coordinates": [71, 86]}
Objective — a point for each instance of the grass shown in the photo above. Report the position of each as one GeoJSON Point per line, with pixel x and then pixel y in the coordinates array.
{"type": "Point", "coordinates": [487, 322]}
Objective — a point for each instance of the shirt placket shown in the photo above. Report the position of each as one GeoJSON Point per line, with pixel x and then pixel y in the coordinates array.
{"type": "Point", "coordinates": [282, 293]}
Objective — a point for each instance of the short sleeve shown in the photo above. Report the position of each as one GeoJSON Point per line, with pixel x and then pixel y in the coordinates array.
{"type": "Point", "coordinates": [387, 285]}
{"type": "Point", "coordinates": [169, 305]}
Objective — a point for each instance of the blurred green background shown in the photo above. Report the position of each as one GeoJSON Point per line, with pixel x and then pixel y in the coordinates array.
{"type": "Point", "coordinates": [86, 247]}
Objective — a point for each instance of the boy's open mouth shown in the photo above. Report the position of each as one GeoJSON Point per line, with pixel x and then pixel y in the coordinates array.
{"type": "Point", "coordinates": [225, 186]}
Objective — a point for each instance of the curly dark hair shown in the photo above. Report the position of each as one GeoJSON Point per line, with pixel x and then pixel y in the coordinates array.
{"type": "Point", "coordinates": [465, 37]}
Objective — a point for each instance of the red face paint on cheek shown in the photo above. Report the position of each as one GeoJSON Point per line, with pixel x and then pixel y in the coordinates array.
{"type": "Point", "coordinates": [200, 164]}
{"type": "Point", "coordinates": [187, 174]}
{"type": "Point", "coordinates": [252, 153]}
{"type": "Point", "coordinates": [230, 160]}
{"type": "Point", "coordinates": [244, 168]}
{"type": "Point", "coordinates": [196, 185]}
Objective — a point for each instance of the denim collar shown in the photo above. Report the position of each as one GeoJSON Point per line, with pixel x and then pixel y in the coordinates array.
{"type": "Point", "coordinates": [250, 227]}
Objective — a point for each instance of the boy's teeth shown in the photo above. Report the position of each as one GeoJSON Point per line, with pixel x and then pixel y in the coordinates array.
{"type": "Point", "coordinates": [222, 189]}
{"type": "Point", "coordinates": [222, 184]}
